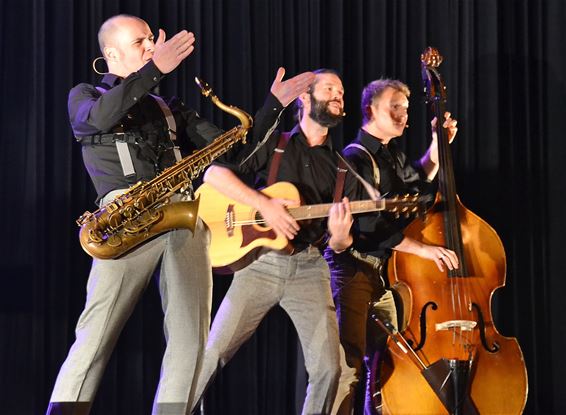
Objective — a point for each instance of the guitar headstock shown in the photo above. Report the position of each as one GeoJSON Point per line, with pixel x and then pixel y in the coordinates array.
{"type": "Point", "coordinates": [406, 205]}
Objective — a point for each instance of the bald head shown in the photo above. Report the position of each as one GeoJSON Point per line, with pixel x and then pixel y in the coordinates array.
{"type": "Point", "coordinates": [126, 43]}
{"type": "Point", "coordinates": [109, 29]}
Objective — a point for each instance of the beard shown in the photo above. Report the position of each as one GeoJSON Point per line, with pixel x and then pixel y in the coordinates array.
{"type": "Point", "coordinates": [322, 115]}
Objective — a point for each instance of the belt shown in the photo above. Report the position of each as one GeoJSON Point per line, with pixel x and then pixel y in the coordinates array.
{"type": "Point", "coordinates": [368, 259]}
{"type": "Point", "coordinates": [304, 247]}
{"type": "Point", "coordinates": [319, 244]}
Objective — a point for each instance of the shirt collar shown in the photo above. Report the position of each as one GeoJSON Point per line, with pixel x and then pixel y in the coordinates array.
{"type": "Point", "coordinates": [369, 141]}
{"type": "Point", "coordinates": [111, 80]}
{"type": "Point", "coordinates": [301, 136]}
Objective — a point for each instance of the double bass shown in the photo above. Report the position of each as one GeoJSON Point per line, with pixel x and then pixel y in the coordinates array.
{"type": "Point", "coordinates": [450, 358]}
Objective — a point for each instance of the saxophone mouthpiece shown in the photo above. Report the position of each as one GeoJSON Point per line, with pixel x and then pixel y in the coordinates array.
{"type": "Point", "coordinates": [205, 88]}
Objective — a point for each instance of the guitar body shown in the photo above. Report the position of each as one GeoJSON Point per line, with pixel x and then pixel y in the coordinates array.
{"type": "Point", "coordinates": [236, 237]}
{"type": "Point", "coordinates": [239, 234]}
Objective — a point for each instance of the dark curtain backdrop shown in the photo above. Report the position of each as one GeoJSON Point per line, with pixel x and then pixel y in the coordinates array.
{"type": "Point", "coordinates": [504, 69]}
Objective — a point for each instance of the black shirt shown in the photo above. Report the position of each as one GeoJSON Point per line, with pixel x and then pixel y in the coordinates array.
{"type": "Point", "coordinates": [376, 233]}
{"type": "Point", "coordinates": [311, 169]}
{"type": "Point", "coordinates": [125, 105]}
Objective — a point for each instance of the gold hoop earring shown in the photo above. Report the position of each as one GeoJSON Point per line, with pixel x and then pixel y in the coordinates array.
{"type": "Point", "coordinates": [94, 66]}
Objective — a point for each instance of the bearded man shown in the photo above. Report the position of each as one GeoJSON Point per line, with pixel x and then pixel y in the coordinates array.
{"type": "Point", "coordinates": [299, 283]}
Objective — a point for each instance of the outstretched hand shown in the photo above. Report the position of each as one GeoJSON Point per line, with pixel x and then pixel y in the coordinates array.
{"type": "Point", "coordinates": [287, 91]}
{"type": "Point", "coordinates": [169, 54]}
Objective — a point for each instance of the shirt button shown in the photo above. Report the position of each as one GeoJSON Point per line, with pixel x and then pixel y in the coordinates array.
{"type": "Point", "coordinates": [307, 165]}
{"type": "Point", "coordinates": [155, 78]}
{"type": "Point", "coordinates": [135, 98]}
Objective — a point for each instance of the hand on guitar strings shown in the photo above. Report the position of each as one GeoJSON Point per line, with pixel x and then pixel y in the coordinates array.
{"type": "Point", "coordinates": [276, 215]}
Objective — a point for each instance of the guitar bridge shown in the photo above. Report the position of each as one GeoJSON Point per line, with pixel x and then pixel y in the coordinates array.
{"type": "Point", "coordinates": [229, 220]}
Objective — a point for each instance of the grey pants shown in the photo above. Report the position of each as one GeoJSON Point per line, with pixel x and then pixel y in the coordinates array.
{"type": "Point", "coordinates": [114, 287]}
{"type": "Point", "coordinates": [300, 284]}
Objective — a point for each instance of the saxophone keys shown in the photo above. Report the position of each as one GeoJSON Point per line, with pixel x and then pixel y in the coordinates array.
{"type": "Point", "coordinates": [94, 235]}
{"type": "Point", "coordinates": [115, 220]}
{"type": "Point", "coordinates": [114, 240]}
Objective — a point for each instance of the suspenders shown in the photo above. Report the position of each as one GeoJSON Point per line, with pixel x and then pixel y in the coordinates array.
{"type": "Point", "coordinates": [122, 146]}
{"type": "Point", "coordinates": [172, 126]}
{"type": "Point", "coordinates": [376, 175]}
{"type": "Point", "coordinates": [343, 169]}
{"type": "Point", "coordinates": [340, 179]}
{"type": "Point", "coordinates": [276, 162]}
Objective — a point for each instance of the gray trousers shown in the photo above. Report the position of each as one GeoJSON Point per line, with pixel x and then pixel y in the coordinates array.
{"type": "Point", "coordinates": [300, 284]}
{"type": "Point", "coordinates": [114, 287]}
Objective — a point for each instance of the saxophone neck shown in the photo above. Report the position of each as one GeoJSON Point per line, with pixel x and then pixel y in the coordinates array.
{"type": "Point", "coordinates": [246, 120]}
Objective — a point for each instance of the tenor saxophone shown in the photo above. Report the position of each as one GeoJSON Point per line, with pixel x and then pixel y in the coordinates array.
{"type": "Point", "coordinates": [145, 209]}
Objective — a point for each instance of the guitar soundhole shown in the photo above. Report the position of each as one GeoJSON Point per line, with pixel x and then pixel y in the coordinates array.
{"type": "Point", "coordinates": [258, 219]}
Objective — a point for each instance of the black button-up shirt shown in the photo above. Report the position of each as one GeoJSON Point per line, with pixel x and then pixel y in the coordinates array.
{"type": "Point", "coordinates": [376, 233]}
{"type": "Point", "coordinates": [127, 106]}
{"type": "Point", "coordinates": [311, 169]}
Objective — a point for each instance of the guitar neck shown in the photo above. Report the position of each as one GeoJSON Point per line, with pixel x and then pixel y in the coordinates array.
{"type": "Point", "coordinates": [322, 210]}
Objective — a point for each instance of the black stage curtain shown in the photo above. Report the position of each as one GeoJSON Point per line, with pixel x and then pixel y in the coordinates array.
{"type": "Point", "coordinates": [504, 68]}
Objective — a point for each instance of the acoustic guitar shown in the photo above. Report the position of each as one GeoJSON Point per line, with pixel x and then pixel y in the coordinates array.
{"type": "Point", "coordinates": [240, 234]}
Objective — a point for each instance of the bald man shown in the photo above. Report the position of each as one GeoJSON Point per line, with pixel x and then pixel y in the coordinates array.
{"type": "Point", "coordinates": [125, 133]}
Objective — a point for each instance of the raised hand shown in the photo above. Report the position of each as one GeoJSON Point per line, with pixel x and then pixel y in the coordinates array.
{"type": "Point", "coordinates": [169, 54]}
{"type": "Point", "coordinates": [287, 91]}
{"type": "Point", "coordinates": [429, 161]}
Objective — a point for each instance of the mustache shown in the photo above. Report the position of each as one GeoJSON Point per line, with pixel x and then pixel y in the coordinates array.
{"type": "Point", "coordinates": [334, 100]}
{"type": "Point", "coordinates": [340, 105]}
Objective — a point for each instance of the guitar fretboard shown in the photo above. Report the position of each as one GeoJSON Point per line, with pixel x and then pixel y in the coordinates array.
{"type": "Point", "coordinates": [360, 206]}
